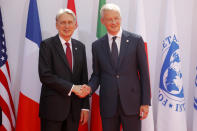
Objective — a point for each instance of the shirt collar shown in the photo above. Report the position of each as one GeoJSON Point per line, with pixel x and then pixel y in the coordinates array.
{"type": "Point", "coordinates": [63, 41]}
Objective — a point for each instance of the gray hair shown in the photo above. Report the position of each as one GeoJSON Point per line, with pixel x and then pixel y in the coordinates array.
{"type": "Point", "coordinates": [65, 11]}
{"type": "Point", "coordinates": [109, 6]}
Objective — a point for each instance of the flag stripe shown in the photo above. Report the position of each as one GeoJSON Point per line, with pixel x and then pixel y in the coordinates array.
{"type": "Point", "coordinates": [96, 123]}
{"type": "Point", "coordinates": [6, 75]}
{"type": "Point", "coordinates": [2, 128]}
{"type": "Point", "coordinates": [32, 31]}
{"type": "Point", "coordinates": [6, 123]}
{"type": "Point", "coordinates": [5, 109]}
{"type": "Point", "coordinates": [101, 30]}
{"type": "Point", "coordinates": [8, 69]}
{"type": "Point", "coordinates": [71, 5]}
{"type": "Point", "coordinates": [27, 119]}
{"type": "Point", "coordinates": [4, 70]}
{"type": "Point", "coordinates": [4, 96]}
{"type": "Point", "coordinates": [4, 82]}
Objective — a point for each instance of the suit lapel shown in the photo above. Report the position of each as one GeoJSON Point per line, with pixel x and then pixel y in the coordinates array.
{"type": "Point", "coordinates": [60, 51]}
{"type": "Point", "coordinates": [125, 41]}
{"type": "Point", "coordinates": [75, 52]}
{"type": "Point", "coordinates": [106, 48]}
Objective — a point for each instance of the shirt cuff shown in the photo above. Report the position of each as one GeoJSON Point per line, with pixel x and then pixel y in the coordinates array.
{"type": "Point", "coordinates": [69, 94]}
{"type": "Point", "coordinates": [85, 109]}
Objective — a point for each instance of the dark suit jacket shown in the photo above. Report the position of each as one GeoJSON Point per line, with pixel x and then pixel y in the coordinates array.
{"type": "Point", "coordinates": [57, 80]}
{"type": "Point", "coordinates": [122, 81]}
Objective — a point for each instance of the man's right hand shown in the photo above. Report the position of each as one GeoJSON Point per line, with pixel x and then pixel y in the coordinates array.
{"type": "Point", "coordinates": [81, 90]}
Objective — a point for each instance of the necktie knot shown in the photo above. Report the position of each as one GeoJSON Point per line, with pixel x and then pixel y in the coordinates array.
{"type": "Point", "coordinates": [67, 44]}
{"type": "Point", "coordinates": [114, 38]}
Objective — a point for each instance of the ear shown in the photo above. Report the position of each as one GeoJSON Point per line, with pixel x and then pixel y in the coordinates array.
{"type": "Point", "coordinates": [76, 25]}
{"type": "Point", "coordinates": [56, 25]}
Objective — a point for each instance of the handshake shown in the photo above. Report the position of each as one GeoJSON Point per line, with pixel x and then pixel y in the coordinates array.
{"type": "Point", "coordinates": [81, 90]}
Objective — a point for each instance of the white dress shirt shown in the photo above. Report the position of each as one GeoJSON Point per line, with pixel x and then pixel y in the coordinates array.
{"type": "Point", "coordinates": [118, 40]}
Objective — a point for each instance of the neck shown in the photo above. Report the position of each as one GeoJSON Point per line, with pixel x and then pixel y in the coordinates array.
{"type": "Point", "coordinates": [113, 33]}
{"type": "Point", "coordinates": [65, 38]}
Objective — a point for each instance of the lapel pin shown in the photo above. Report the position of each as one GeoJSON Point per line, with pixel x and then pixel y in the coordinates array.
{"type": "Point", "coordinates": [75, 48]}
{"type": "Point", "coordinates": [127, 41]}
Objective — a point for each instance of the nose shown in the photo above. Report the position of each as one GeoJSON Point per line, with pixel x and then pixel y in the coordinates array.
{"type": "Point", "coordinates": [113, 21]}
{"type": "Point", "coordinates": [66, 25]}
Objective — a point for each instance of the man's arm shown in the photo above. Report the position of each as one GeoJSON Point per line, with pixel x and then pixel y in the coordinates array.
{"type": "Point", "coordinates": [144, 79]}
{"type": "Point", "coordinates": [143, 72]}
{"type": "Point", "coordinates": [95, 77]}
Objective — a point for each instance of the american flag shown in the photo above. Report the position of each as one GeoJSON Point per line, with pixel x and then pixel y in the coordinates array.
{"type": "Point", "coordinates": [6, 103]}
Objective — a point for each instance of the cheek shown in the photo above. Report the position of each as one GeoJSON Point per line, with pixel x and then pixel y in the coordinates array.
{"type": "Point", "coordinates": [109, 25]}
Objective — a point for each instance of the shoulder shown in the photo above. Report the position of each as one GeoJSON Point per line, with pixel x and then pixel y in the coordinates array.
{"type": "Point", "coordinates": [78, 43]}
{"type": "Point", "coordinates": [101, 40]}
{"type": "Point", "coordinates": [51, 40]}
{"type": "Point", "coordinates": [131, 35]}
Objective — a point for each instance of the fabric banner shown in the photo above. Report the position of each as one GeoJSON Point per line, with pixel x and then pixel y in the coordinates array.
{"type": "Point", "coordinates": [140, 28]}
{"type": "Point", "coordinates": [28, 109]}
{"type": "Point", "coordinates": [171, 102]}
{"type": "Point", "coordinates": [6, 102]}
{"type": "Point", "coordinates": [195, 103]}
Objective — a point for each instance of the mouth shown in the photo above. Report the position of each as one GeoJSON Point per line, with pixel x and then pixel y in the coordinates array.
{"type": "Point", "coordinates": [114, 27]}
{"type": "Point", "coordinates": [66, 31]}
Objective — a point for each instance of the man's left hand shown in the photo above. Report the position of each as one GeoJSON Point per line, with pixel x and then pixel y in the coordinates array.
{"type": "Point", "coordinates": [84, 116]}
{"type": "Point", "coordinates": [144, 109]}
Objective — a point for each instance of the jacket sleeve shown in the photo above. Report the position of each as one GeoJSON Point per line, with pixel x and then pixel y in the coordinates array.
{"type": "Point", "coordinates": [95, 77]}
{"type": "Point", "coordinates": [143, 72]}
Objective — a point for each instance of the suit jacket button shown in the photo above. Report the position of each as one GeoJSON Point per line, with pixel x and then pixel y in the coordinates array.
{"type": "Point", "coordinates": [117, 76]}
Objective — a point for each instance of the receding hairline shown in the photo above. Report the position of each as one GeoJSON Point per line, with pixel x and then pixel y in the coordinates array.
{"type": "Point", "coordinates": [109, 7]}
{"type": "Point", "coordinates": [65, 11]}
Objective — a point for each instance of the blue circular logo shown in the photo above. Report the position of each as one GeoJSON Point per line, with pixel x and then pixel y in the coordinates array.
{"type": "Point", "coordinates": [171, 76]}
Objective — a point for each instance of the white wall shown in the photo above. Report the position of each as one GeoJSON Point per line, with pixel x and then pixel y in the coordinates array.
{"type": "Point", "coordinates": [14, 14]}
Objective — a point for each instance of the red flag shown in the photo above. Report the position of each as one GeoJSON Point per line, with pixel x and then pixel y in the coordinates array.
{"type": "Point", "coordinates": [96, 124]}
{"type": "Point", "coordinates": [6, 102]}
{"type": "Point", "coordinates": [71, 6]}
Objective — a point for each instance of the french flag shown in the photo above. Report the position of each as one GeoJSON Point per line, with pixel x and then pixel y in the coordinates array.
{"type": "Point", "coordinates": [28, 109]}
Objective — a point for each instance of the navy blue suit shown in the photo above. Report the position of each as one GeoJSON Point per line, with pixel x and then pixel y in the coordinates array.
{"type": "Point", "coordinates": [121, 84]}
